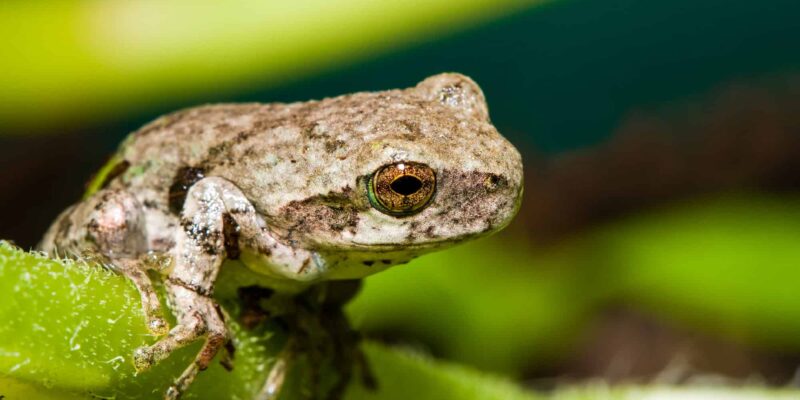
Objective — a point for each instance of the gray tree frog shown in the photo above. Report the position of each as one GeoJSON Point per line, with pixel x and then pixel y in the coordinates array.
{"type": "Point", "coordinates": [335, 189]}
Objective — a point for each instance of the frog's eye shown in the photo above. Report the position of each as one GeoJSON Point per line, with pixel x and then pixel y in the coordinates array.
{"type": "Point", "coordinates": [402, 188]}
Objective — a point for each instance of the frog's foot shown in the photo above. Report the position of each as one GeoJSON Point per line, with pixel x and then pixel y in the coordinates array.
{"type": "Point", "coordinates": [318, 330]}
{"type": "Point", "coordinates": [277, 374]}
{"type": "Point", "coordinates": [109, 228]}
{"type": "Point", "coordinates": [345, 341]}
{"type": "Point", "coordinates": [252, 313]}
{"type": "Point", "coordinates": [151, 306]}
{"type": "Point", "coordinates": [198, 316]}
{"type": "Point", "coordinates": [368, 378]}
{"type": "Point", "coordinates": [347, 354]}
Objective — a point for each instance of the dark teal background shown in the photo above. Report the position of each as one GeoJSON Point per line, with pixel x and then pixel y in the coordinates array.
{"type": "Point", "coordinates": [561, 76]}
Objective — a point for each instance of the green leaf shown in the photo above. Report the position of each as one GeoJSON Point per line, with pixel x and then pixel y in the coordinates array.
{"type": "Point", "coordinates": [70, 328]}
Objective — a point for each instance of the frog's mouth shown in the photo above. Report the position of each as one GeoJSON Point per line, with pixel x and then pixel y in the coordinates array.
{"type": "Point", "coordinates": [423, 246]}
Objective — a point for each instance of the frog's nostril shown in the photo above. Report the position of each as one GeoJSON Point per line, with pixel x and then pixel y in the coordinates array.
{"type": "Point", "coordinates": [406, 185]}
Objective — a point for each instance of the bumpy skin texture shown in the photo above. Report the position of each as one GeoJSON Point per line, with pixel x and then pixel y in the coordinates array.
{"type": "Point", "coordinates": [284, 187]}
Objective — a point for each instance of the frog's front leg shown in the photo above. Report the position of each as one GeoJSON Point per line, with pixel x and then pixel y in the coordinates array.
{"type": "Point", "coordinates": [109, 227]}
{"type": "Point", "coordinates": [216, 219]}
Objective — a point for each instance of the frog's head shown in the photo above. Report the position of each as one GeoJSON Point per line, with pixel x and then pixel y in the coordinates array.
{"type": "Point", "coordinates": [429, 170]}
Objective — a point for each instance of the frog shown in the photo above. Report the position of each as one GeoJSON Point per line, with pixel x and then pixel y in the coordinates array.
{"type": "Point", "coordinates": [301, 193]}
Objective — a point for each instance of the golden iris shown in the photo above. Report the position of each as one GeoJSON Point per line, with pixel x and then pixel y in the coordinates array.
{"type": "Point", "coordinates": [402, 188]}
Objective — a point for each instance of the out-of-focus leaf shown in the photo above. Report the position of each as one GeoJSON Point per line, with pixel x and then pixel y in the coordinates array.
{"type": "Point", "coordinates": [404, 375]}
{"type": "Point", "coordinates": [727, 265]}
{"type": "Point", "coordinates": [71, 59]}
{"type": "Point", "coordinates": [601, 391]}
{"type": "Point", "coordinates": [495, 303]}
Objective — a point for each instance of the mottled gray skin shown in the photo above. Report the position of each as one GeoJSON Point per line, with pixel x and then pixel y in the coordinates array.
{"type": "Point", "coordinates": [283, 187]}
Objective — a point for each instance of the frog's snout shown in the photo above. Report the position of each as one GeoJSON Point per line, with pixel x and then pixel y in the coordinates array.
{"type": "Point", "coordinates": [479, 202]}
{"type": "Point", "coordinates": [506, 195]}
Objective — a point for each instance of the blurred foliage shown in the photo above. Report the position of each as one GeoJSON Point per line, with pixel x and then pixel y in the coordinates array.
{"type": "Point", "coordinates": [725, 265]}
{"type": "Point", "coordinates": [492, 303]}
{"type": "Point", "coordinates": [69, 59]}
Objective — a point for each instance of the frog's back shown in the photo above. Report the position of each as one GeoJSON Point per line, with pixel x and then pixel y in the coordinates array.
{"type": "Point", "coordinates": [270, 150]}
{"type": "Point", "coordinates": [196, 135]}
{"type": "Point", "coordinates": [197, 138]}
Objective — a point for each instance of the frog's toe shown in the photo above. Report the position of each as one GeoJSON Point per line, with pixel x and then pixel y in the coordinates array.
{"type": "Point", "coordinates": [143, 358]}
{"type": "Point", "coordinates": [157, 326]}
{"type": "Point", "coordinates": [172, 393]}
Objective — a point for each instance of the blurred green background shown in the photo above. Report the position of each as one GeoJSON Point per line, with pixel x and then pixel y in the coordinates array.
{"type": "Point", "coordinates": [658, 240]}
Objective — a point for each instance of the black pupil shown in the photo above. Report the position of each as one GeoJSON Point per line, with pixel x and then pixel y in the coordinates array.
{"type": "Point", "coordinates": [406, 185]}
